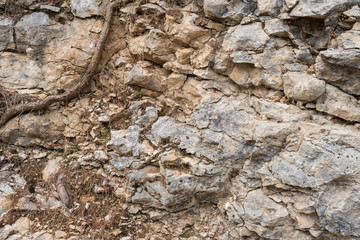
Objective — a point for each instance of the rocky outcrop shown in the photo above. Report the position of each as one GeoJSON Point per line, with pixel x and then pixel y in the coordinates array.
{"type": "Point", "coordinates": [205, 120]}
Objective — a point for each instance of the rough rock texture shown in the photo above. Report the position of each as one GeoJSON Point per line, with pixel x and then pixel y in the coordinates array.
{"type": "Point", "coordinates": [206, 120]}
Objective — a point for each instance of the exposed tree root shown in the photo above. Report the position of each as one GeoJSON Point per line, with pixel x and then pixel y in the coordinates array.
{"type": "Point", "coordinates": [85, 79]}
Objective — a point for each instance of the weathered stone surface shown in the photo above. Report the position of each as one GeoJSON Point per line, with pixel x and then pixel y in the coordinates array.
{"type": "Point", "coordinates": [276, 27]}
{"type": "Point", "coordinates": [187, 33]}
{"type": "Point", "coordinates": [6, 34]}
{"type": "Point", "coordinates": [259, 208]}
{"type": "Point", "coordinates": [338, 209]}
{"type": "Point", "coordinates": [149, 78]}
{"type": "Point", "coordinates": [245, 37]}
{"type": "Point", "coordinates": [291, 3]}
{"type": "Point", "coordinates": [88, 8]}
{"type": "Point", "coordinates": [233, 9]}
{"type": "Point", "coordinates": [20, 72]}
{"type": "Point", "coordinates": [350, 39]}
{"type": "Point", "coordinates": [337, 103]}
{"type": "Point", "coordinates": [319, 9]}
{"type": "Point", "coordinates": [280, 112]}
{"type": "Point", "coordinates": [302, 86]}
{"type": "Point", "coordinates": [269, 7]}
{"type": "Point", "coordinates": [340, 68]}
{"type": "Point", "coordinates": [52, 167]}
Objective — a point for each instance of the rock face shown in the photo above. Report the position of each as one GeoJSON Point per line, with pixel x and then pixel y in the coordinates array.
{"type": "Point", "coordinates": [302, 87]}
{"type": "Point", "coordinates": [228, 119]}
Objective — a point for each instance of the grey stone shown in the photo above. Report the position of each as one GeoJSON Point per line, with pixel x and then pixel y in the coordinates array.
{"type": "Point", "coordinates": [259, 208]}
{"type": "Point", "coordinates": [337, 103]}
{"type": "Point", "coordinates": [316, 163]}
{"type": "Point", "coordinates": [245, 37]}
{"type": "Point", "coordinates": [51, 8]}
{"type": "Point", "coordinates": [340, 68]}
{"type": "Point", "coordinates": [234, 10]}
{"type": "Point", "coordinates": [350, 39]}
{"type": "Point", "coordinates": [280, 112]}
{"type": "Point", "coordinates": [127, 140]}
{"type": "Point", "coordinates": [242, 57]}
{"type": "Point", "coordinates": [269, 7]}
{"type": "Point", "coordinates": [147, 78]}
{"type": "Point", "coordinates": [6, 34]}
{"type": "Point", "coordinates": [338, 209]}
{"type": "Point", "coordinates": [319, 9]}
{"type": "Point", "coordinates": [302, 86]}
{"type": "Point", "coordinates": [88, 8]}
{"type": "Point", "coordinates": [276, 27]}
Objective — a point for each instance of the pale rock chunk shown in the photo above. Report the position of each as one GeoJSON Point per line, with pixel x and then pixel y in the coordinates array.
{"type": "Point", "coordinates": [276, 27]}
{"type": "Point", "coordinates": [88, 8]}
{"type": "Point", "coordinates": [176, 81]}
{"type": "Point", "coordinates": [340, 68]}
{"type": "Point", "coordinates": [6, 34]}
{"type": "Point", "coordinates": [187, 33]}
{"type": "Point", "coordinates": [351, 39]}
{"type": "Point", "coordinates": [52, 167]}
{"type": "Point", "coordinates": [302, 86]}
{"type": "Point", "coordinates": [337, 103]}
{"type": "Point", "coordinates": [232, 9]}
{"type": "Point", "coordinates": [259, 208]}
{"type": "Point", "coordinates": [280, 111]}
{"type": "Point", "coordinates": [245, 37]}
{"type": "Point", "coordinates": [269, 7]}
{"type": "Point", "coordinates": [291, 3]}
{"type": "Point", "coordinates": [146, 77]}
{"type": "Point", "coordinates": [319, 9]}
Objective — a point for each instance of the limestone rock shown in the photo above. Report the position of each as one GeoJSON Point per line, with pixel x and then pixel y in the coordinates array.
{"type": "Point", "coordinates": [88, 8]}
{"type": "Point", "coordinates": [291, 3]}
{"type": "Point", "coordinates": [340, 68]}
{"type": "Point", "coordinates": [280, 112]}
{"type": "Point", "coordinates": [259, 208]}
{"type": "Point", "coordinates": [6, 34]}
{"type": "Point", "coordinates": [338, 209]}
{"type": "Point", "coordinates": [245, 37]}
{"type": "Point", "coordinates": [337, 103]}
{"type": "Point", "coordinates": [149, 78]}
{"type": "Point", "coordinates": [52, 167]}
{"type": "Point", "coordinates": [350, 39]}
{"type": "Point", "coordinates": [269, 7]}
{"type": "Point", "coordinates": [276, 27]}
{"type": "Point", "coordinates": [319, 9]}
{"type": "Point", "coordinates": [158, 47]}
{"type": "Point", "coordinates": [187, 33]}
{"type": "Point", "coordinates": [233, 9]}
{"type": "Point", "coordinates": [302, 86]}
{"type": "Point", "coordinates": [19, 72]}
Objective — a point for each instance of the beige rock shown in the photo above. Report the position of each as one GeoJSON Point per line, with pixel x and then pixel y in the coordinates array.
{"type": "Point", "coordinates": [279, 111]}
{"type": "Point", "coordinates": [245, 37]}
{"type": "Point", "coordinates": [337, 103]}
{"type": "Point", "coordinates": [202, 57]}
{"type": "Point", "coordinates": [6, 34]}
{"type": "Point", "coordinates": [187, 33]}
{"type": "Point", "coordinates": [149, 78]}
{"type": "Point", "coordinates": [183, 55]}
{"type": "Point", "coordinates": [276, 27]}
{"type": "Point", "coordinates": [269, 7]}
{"type": "Point", "coordinates": [175, 81]}
{"type": "Point", "coordinates": [88, 8]}
{"type": "Point", "coordinates": [351, 39]}
{"type": "Point", "coordinates": [302, 86]}
{"type": "Point", "coordinates": [52, 167]}
{"type": "Point", "coordinates": [291, 3]}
